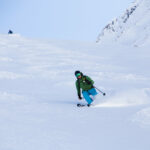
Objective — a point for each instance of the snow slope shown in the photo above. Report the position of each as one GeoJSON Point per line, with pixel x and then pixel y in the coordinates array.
{"type": "Point", "coordinates": [133, 27]}
{"type": "Point", "coordinates": [38, 96]}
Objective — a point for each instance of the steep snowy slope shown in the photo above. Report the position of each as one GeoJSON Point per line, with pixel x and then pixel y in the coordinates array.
{"type": "Point", "coordinates": [132, 28]}
{"type": "Point", "coordinates": [38, 96]}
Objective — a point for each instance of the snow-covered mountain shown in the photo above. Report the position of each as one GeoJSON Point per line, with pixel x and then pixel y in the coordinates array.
{"type": "Point", "coordinates": [133, 27]}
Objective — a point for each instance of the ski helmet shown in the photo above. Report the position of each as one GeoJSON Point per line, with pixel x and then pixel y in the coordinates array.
{"type": "Point", "coordinates": [76, 72]}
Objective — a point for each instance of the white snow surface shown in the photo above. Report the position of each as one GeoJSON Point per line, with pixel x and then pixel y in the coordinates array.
{"type": "Point", "coordinates": [38, 96]}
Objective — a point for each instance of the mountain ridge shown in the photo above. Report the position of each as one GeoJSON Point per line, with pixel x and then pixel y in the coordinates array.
{"type": "Point", "coordinates": [125, 29]}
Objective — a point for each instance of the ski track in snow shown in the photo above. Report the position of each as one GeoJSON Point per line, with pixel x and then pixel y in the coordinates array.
{"type": "Point", "coordinates": [38, 96]}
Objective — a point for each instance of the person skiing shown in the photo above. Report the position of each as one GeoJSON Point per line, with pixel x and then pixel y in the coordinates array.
{"type": "Point", "coordinates": [86, 84]}
{"type": "Point", "coordinates": [10, 32]}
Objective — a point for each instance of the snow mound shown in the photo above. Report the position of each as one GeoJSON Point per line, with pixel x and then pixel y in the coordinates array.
{"type": "Point", "coordinates": [143, 117]}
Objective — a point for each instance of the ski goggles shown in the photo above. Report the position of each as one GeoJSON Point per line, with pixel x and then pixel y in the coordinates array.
{"type": "Point", "coordinates": [77, 75]}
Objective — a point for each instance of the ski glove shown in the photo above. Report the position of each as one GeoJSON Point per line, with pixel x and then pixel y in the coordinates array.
{"type": "Point", "coordinates": [79, 97]}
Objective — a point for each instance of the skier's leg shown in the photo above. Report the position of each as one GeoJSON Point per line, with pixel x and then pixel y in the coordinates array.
{"type": "Point", "coordinates": [87, 97]}
{"type": "Point", "coordinates": [93, 92]}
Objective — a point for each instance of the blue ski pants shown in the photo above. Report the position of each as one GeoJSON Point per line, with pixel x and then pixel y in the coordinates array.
{"type": "Point", "coordinates": [86, 95]}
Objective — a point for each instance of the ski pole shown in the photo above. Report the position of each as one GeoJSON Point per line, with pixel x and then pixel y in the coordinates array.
{"type": "Point", "coordinates": [100, 91]}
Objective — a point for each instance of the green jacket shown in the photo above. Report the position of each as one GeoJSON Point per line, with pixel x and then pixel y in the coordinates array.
{"type": "Point", "coordinates": [85, 83]}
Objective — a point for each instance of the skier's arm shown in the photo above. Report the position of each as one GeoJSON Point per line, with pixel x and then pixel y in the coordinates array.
{"type": "Point", "coordinates": [78, 90]}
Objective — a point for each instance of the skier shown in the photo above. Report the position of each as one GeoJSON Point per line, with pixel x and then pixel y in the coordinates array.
{"type": "Point", "coordinates": [86, 84]}
{"type": "Point", "coordinates": [10, 32]}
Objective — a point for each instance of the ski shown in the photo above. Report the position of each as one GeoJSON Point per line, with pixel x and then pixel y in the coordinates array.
{"type": "Point", "coordinates": [81, 105]}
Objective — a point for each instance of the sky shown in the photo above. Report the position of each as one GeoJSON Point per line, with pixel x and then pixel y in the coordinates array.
{"type": "Point", "coordinates": [59, 19]}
